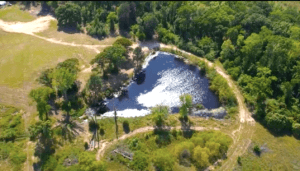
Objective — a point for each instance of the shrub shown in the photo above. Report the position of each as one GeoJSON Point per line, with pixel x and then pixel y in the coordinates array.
{"type": "Point", "coordinates": [140, 161]}
{"type": "Point", "coordinates": [86, 145]}
{"type": "Point", "coordinates": [200, 106]}
{"type": "Point", "coordinates": [187, 145]}
{"type": "Point", "coordinates": [278, 122]}
{"type": "Point", "coordinates": [201, 157]}
{"type": "Point", "coordinates": [239, 160]}
{"type": "Point", "coordinates": [141, 36]}
{"type": "Point", "coordinates": [296, 129]}
{"type": "Point", "coordinates": [123, 41]}
{"type": "Point", "coordinates": [163, 160]}
{"type": "Point", "coordinates": [17, 157]}
{"type": "Point", "coordinates": [256, 149]}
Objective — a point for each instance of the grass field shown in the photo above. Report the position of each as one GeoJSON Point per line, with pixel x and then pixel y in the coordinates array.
{"type": "Point", "coordinates": [13, 13]}
{"type": "Point", "coordinates": [282, 152]}
{"type": "Point", "coordinates": [77, 38]}
{"type": "Point", "coordinates": [24, 56]}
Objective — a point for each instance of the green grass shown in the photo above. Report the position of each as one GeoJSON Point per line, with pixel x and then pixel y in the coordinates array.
{"type": "Point", "coordinates": [13, 13]}
{"type": "Point", "coordinates": [283, 153]}
{"type": "Point", "coordinates": [23, 57]}
{"type": "Point", "coordinates": [77, 38]}
{"type": "Point", "coordinates": [147, 143]}
{"type": "Point", "coordinates": [12, 153]}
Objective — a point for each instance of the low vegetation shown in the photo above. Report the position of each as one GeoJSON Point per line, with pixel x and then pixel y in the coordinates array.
{"type": "Point", "coordinates": [161, 149]}
{"type": "Point", "coordinates": [12, 138]}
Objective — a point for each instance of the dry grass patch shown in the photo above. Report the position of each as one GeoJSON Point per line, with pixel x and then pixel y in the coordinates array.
{"type": "Point", "coordinates": [13, 13]}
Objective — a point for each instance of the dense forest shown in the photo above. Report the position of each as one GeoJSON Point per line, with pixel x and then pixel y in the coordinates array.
{"type": "Point", "coordinates": [257, 43]}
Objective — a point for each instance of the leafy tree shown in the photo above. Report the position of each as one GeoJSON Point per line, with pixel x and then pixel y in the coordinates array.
{"type": "Point", "coordinates": [114, 55]}
{"type": "Point", "coordinates": [186, 105]}
{"type": "Point", "coordinates": [159, 115]}
{"type": "Point", "coordinates": [45, 77]}
{"type": "Point", "coordinates": [68, 14]}
{"type": "Point", "coordinates": [62, 80]}
{"type": "Point", "coordinates": [201, 157]}
{"type": "Point", "coordinates": [123, 41]}
{"type": "Point", "coordinates": [228, 50]}
{"type": "Point", "coordinates": [94, 86]}
{"type": "Point", "coordinates": [41, 96]}
{"type": "Point", "coordinates": [138, 56]}
{"type": "Point", "coordinates": [296, 129]}
{"type": "Point", "coordinates": [96, 28]}
{"type": "Point", "coordinates": [111, 19]}
{"type": "Point", "coordinates": [295, 32]}
{"type": "Point", "coordinates": [150, 23]}
{"type": "Point", "coordinates": [278, 122]}
{"type": "Point", "coordinates": [124, 16]}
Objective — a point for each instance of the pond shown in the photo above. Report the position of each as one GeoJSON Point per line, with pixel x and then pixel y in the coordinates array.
{"type": "Point", "coordinates": [162, 80]}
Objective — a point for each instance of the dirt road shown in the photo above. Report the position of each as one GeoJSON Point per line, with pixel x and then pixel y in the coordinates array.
{"type": "Point", "coordinates": [105, 144]}
{"type": "Point", "coordinates": [39, 25]}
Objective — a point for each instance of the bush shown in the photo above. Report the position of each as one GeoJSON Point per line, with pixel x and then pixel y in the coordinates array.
{"type": "Point", "coordinates": [201, 157]}
{"type": "Point", "coordinates": [140, 161]}
{"type": "Point", "coordinates": [296, 129]}
{"type": "Point", "coordinates": [141, 36]}
{"type": "Point", "coordinates": [278, 122]}
{"type": "Point", "coordinates": [17, 157]}
{"type": "Point", "coordinates": [123, 41]}
{"type": "Point", "coordinates": [86, 145]}
{"type": "Point", "coordinates": [256, 149]}
{"type": "Point", "coordinates": [199, 106]}
{"type": "Point", "coordinates": [239, 160]}
{"type": "Point", "coordinates": [187, 145]}
{"type": "Point", "coordinates": [163, 160]}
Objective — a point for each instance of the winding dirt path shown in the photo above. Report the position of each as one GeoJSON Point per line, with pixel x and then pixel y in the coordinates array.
{"type": "Point", "coordinates": [105, 144]}
{"type": "Point", "coordinates": [39, 25]}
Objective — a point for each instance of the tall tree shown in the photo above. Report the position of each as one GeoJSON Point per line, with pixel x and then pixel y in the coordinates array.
{"type": "Point", "coordinates": [62, 80]}
{"type": "Point", "coordinates": [124, 16]}
{"type": "Point", "coordinates": [138, 56]}
{"type": "Point", "coordinates": [94, 86]}
{"type": "Point", "coordinates": [41, 96]}
{"type": "Point", "coordinates": [68, 14]}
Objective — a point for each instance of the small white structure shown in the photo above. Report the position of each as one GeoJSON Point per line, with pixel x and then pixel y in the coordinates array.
{"type": "Point", "coordinates": [2, 3]}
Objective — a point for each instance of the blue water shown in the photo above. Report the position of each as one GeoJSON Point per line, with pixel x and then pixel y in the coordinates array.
{"type": "Point", "coordinates": [163, 79]}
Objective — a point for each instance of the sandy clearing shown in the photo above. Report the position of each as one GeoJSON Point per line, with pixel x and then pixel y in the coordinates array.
{"type": "Point", "coordinates": [38, 25]}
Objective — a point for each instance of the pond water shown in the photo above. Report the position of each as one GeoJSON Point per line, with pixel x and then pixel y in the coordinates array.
{"type": "Point", "coordinates": [162, 80]}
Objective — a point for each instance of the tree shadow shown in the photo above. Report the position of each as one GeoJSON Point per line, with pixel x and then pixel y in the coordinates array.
{"type": "Point", "coordinates": [69, 129]}
{"type": "Point", "coordinates": [27, 5]}
{"type": "Point", "coordinates": [68, 29]}
{"type": "Point", "coordinates": [126, 127]}
{"type": "Point", "coordinates": [274, 132]}
{"type": "Point", "coordinates": [45, 10]}
{"type": "Point", "coordinates": [163, 136]}
{"type": "Point", "coordinates": [124, 33]}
